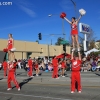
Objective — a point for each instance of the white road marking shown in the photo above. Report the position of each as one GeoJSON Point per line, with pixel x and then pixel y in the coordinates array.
{"type": "Point", "coordinates": [45, 97]}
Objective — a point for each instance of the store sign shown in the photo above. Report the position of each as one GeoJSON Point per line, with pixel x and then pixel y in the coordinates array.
{"type": "Point", "coordinates": [84, 28]}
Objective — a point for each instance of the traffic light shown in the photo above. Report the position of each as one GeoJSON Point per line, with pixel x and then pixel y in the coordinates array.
{"type": "Point", "coordinates": [40, 36]}
{"type": "Point", "coordinates": [64, 47]}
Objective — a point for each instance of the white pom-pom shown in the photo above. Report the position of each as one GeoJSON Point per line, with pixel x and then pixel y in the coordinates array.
{"type": "Point", "coordinates": [13, 49]}
{"type": "Point", "coordinates": [82, 11]}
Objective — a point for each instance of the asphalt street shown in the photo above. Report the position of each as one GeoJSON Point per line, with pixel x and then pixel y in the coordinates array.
{"type": "Point", "coordinates": [45, 88]}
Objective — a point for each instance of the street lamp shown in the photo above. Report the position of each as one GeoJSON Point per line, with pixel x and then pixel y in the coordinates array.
{"type": "Point", "coordinates": [74, 7]}
{"type": "Point", "coordinates": [50, 15]}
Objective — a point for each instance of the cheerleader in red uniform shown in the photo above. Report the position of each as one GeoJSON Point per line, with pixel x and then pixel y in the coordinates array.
{"type": "Point", "coordinates": [74, 31]}
{"type": "Point", "coordinates": [63, 66]}
{"type": "Point", "coordinates": [55, 68]}
{"type": "Point", "coordinates": [10, 45]}
{"type": "Point", "coordinates": [5, 65]}
{"type": "Point", "coordinates": [75, 74]}
{"type": "Point", "coordinates": [30, 67]}
{"type": "Point", "coordinates": [11, 75]}
{"type": "Point", "coordinates": [37, 68]}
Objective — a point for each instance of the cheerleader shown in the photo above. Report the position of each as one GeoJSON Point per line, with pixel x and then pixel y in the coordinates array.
{"type": "Point", "coordinates": [75, 74]}
{"type": "Point", "coordinates": [74, 31]}
{"type": "Point", "coordinates": [37, 68]}
{"type": "Point", "coordinates": [10, 46]}
{"type": "Point", "coordinates": [63, 66]}
{"type": "Point", "coordinates": [30, 67]}
{"type": "Point", "coordinates": [11, 75]}
{"type": "Point", "coordinates": [55, 68]}
{"type": "Point", "coordinates": [5, 64]}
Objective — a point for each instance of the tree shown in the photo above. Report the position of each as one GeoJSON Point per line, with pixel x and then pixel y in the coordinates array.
{"type": "Point", "coordinates": [37, 41]}
{"type": "Point", "coordinates": [59, 41]}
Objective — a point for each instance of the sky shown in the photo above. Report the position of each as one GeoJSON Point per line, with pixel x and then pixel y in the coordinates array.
{"type": "Point", "coordinates": [26, 18]}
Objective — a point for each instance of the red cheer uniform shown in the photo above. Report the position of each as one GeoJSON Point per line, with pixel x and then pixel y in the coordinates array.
{"type": "Point", "coordinates": [30, 64]}
{"type": "Point", "coordinates": [55, 68]}
{"type": "Point", "coordinates": [74, 30]}
{"type": "Point", "coordinates": [36, 66]}
{"type": "Point", "coordinates": [10, 44]}
{"type": "Point", "coordinates": [63, 65]}
{"type": "Point", "coordinates": [5, 65]}
{"type": "Point", "coordinates": [11, 75]}
{"type": "Point", "coordinates": [75, 75]}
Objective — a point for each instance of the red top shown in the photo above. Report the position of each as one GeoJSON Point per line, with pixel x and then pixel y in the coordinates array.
{"type": "Point", "coordinates": [74, 29]}
{"type": "Point", "coordinates": [12, 69]}
{"type": "Point", "coordinates": [55, 62]}
{"type": "Point", "coordinates": [5, 64]}
{"type": "Point", "coordinates": [30, 63]}
{"type": "Point", "coordinates": [63, 64]}
{"type": "Point", "coordinates": [76, 64]}
{"type": "Point", "coordinates": [10, 44]}
{"type": "Point", "coordinates": [36, 65]}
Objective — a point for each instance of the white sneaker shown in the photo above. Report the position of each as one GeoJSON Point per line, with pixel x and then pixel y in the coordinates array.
{"type": "Point", "coordinates": [73, 49]}
{"type": "Point", "coordinates": [57, 78]}
{"type": "Point", "coordinates": [31, 76]}
{"type": "Point", "coordinates": [37, 75]}
{"type": "Point", "coordinates": [72, 91]}
{"type": "Point", "coordinates": [79, 91]}
{"type": "Point", "coordinates": [9, 89]}
{"type": "Point", "coordinates": [78, 49]}
{"type": "Point", "coordinates": [63, 76]}
{"type": "Point", "coordinates": [19, 89]}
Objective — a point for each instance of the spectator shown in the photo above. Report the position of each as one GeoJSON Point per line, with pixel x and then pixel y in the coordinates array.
{"type": "Point", "coordinates": [94, 65]}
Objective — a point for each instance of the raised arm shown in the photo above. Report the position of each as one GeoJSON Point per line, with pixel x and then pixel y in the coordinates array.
{"type": "Point", "coordinates": [68, 20]}
{"type": "Point", "coordinates": [72, 55]}
{"type": "Point", "coordinates": [79, 18]}
{"type": "Point", "coordinates": [79, 56]}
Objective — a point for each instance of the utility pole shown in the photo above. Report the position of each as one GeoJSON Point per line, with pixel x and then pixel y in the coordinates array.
{"type": "Point", "coordinates": [75, 8]}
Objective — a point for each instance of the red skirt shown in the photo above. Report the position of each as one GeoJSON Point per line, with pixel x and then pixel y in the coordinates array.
{"type": "Point", "coordinates": [74, 32]}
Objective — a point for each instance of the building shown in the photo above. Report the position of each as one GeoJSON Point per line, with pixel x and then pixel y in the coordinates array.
{"type": "Point", "coordinates": [24, 49]}
{"type": "Point", "coordinates": [97, 44]}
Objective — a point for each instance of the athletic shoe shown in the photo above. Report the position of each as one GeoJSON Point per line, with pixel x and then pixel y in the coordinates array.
{"type": "Point", "coordinates": [9, 89]}
{"type": "Point", "coordinates": [63, 76]}
{"type": "Point", "coordinates": [57, 78]}
{"type": "Point", "coordinates": [79, 91]}
{"type": "Point", "coordinates": [31, 76]}
{"type": "Point", "coordinates": [72, 91]}
{"type": "Point", "coordinates": [73, 49]}
{"type": "Point", "coordinates": [78, 49]}
{"type": "Point", "coordinates": [37, 75]}
{"type": "Point", "coordinates": [19, 89]}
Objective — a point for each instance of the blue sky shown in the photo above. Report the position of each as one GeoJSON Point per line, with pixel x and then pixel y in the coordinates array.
{"type": "Point", "coordinates": [26, 18]}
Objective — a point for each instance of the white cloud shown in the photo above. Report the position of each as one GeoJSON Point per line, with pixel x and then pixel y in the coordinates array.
{"type": "Point", "coordinates": [26, 6]}
{"type": "Point", "coordinates": [28, 11]}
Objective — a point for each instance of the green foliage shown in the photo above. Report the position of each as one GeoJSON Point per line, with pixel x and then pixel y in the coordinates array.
{"type": "Point", "coordinates": [95, 53]}
{"type": "Point", "coordinates": [59, 41]}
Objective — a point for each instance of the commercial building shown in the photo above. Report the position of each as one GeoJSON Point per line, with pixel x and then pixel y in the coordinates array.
{"type": "Point", "coordinates": [24, 49]}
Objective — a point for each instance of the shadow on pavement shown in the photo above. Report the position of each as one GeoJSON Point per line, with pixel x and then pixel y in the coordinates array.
{"type": "Point", "coordinates": [18, 74]}
{"type": "Point", "coordinates": [1, 78]}
{"type": "Point", "coordinates": [97, 74]}
{"type": "Point", "coordinates": [38, 74]}
{"type": "Point", "coordinates": [10, 98]}
{"type": "Point", "coordinates": [25, 82]}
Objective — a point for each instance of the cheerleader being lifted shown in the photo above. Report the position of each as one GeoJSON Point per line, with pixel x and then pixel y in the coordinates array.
{"type": "Point", "coordinates": [74, 27]}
